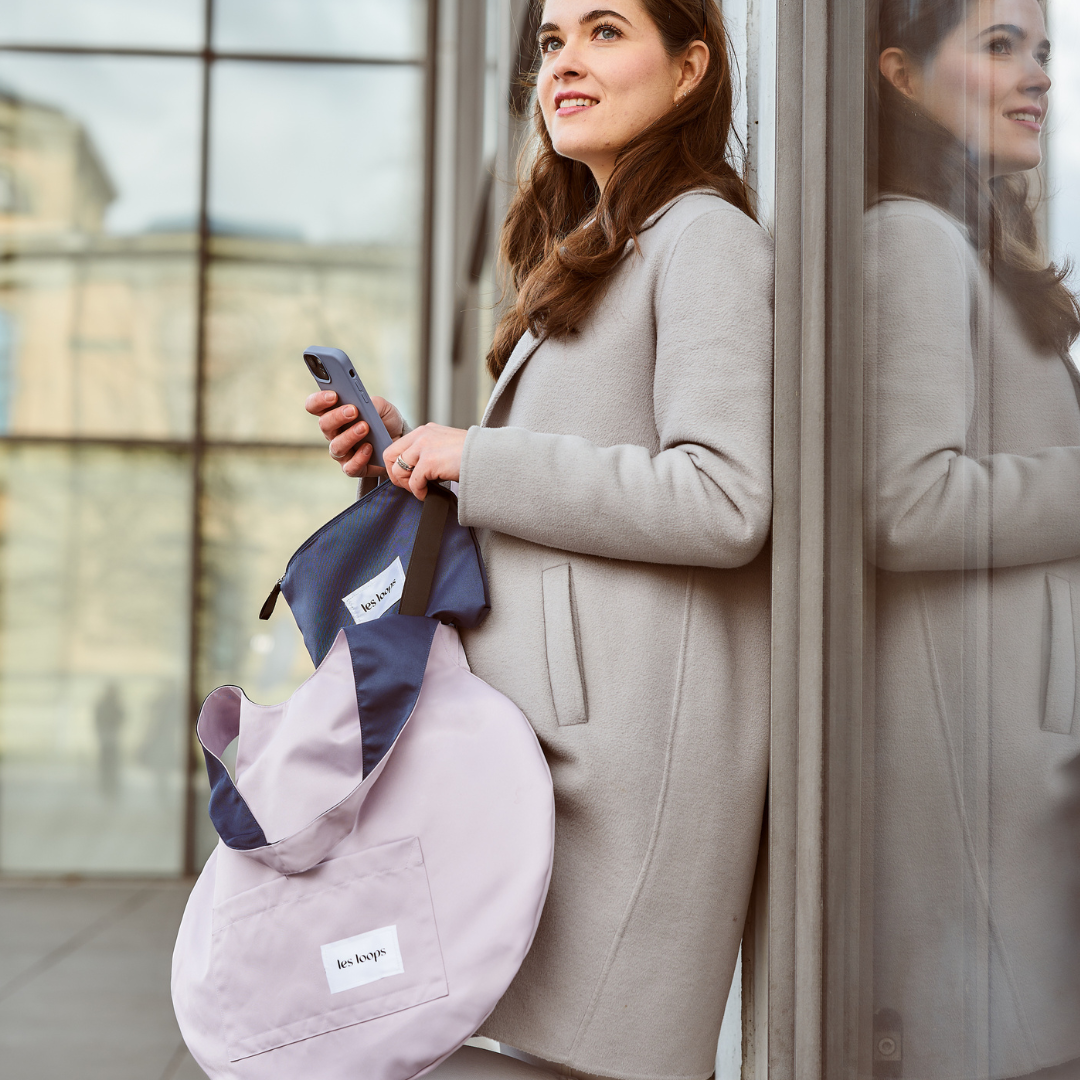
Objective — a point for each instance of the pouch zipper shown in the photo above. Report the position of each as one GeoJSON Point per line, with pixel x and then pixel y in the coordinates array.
{"type": "Point", "coordinates": [271, 601]}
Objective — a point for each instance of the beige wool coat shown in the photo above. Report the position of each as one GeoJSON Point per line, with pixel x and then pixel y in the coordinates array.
{"type": "Point", "coordinates": [974, 503]}
{"type": "Point", "coordinates": [621, 477]}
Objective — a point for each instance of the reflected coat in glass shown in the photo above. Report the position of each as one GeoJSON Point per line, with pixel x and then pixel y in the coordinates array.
{"type": "Point", "coordinates": [974, 515]}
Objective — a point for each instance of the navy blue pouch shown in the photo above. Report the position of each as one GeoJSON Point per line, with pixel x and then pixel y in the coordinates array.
{"type": "Point", "coordinates": [388, 553]}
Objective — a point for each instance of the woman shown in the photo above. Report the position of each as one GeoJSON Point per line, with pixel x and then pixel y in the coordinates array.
{"type": "Point", "coordinates": [621, 477]}
{"type": "Point", "coordinates": [974, 506]}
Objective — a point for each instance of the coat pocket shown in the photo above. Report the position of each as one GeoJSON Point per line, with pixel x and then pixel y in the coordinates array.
{"type": "Point", "coordinates": [349, 941]}
{"type": "Point", "coordinates": [563, 649]}
{"type": "Point", "coordinates": [1060, 698]}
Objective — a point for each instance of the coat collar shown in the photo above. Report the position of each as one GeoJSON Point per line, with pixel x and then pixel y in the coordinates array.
{"type": "Point", "coordinates": [654, 217]}
{"type": "Point", "coordinates": [529, 343]}
{"type": "Point", "coordinates": [526, 346]}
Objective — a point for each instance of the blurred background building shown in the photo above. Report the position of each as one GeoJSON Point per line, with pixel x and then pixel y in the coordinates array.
{"type": "Point", "coordinates": [191, 193]}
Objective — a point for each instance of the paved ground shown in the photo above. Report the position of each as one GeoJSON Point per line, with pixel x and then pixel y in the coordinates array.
{"type": "Point", "coordinates": [84, 981]}
{"type": "Point", "coordinates": [84, 984]}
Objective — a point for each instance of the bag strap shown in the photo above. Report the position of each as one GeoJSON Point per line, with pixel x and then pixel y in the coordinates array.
{"type": "Point", "coordinates": [420, 575]}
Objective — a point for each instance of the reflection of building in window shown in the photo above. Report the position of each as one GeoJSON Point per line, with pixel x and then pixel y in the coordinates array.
{"type": "Point", "coordinates": [98, 339]}
{"type": "Point", "coordinates": [12, 196]}
{"type": "Point", "coordinates": [51, 176]}
{"type": "Point", "coordinates": [106, 324]}
{"type": "Point", "coordinates": [7, 348]}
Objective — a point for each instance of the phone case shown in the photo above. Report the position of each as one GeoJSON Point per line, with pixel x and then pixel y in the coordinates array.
{"type": "Point", "coordinates": [333, 370]}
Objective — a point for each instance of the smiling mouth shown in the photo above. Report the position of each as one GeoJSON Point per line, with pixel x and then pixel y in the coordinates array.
{"type": "Point", "coordinates": [567, 105]}
{"type": "Point", "coordinates": [1034, 119]}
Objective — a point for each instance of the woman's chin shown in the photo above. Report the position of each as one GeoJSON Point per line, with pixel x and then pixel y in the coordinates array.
{"type": "Point", "coordinates": [1021, 163]}
{"type": "Point", "coordinates": [574, 149]}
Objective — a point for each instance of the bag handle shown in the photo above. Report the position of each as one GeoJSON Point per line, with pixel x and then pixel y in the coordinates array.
{"type": "Point", "coordinates": [420, 575]}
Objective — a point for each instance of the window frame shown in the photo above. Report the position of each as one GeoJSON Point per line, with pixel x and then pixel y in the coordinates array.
{"type": "Point", "coordinates": [198, 446]}
{"type": "Point", "coordinates": [812, 958]}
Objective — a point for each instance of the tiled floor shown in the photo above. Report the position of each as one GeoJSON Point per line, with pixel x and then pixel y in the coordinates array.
{"type": "Point", "coordinates": [84, 981]}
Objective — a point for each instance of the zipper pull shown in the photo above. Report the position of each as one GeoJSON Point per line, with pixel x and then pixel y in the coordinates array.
{"type": "Point", "coordinates": [271, 601]}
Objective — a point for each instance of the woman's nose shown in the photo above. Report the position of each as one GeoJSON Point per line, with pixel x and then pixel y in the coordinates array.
{"type": "Point", "coordinates": [1040, 80]}
{"type": "Point", "coordinates": [567, 64]}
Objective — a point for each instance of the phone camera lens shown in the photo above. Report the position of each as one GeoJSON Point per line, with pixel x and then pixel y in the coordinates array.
{"type": "Point", "coordinates": [316, 367]}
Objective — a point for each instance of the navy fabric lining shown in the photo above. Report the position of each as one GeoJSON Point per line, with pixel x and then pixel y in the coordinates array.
{"type": "Point", "coordinates": [232, 819]}
{"type": "Point", "coordinates": [361, 543]}
{"type": "Point", "coordinates": [389, 656]}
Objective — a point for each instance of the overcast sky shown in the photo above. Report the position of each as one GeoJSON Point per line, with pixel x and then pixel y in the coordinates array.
{"type": "Point", "coordinates": [353, 27]}
{"type": "Point", "coordinates": [328, 153]}
{"type": "Point", "coordinates": [1064, 131]}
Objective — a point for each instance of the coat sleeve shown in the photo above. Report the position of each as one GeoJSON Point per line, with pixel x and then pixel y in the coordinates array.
{"type": "Point", "coordinates": [705, 498]}
{"type": "Point", "coordinates": [932, 505]}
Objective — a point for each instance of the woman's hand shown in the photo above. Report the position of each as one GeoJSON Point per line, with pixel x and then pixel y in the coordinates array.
{"type": "Point", "coordinates": [355, 460]}
{"type": "Point", "coordinates": [432, 451]}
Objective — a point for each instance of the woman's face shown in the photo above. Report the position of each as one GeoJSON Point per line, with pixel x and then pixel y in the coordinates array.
{"type": "Point", "coordinates": [605, 76]}
{"type": "Point", "coordinates": [987, 83]}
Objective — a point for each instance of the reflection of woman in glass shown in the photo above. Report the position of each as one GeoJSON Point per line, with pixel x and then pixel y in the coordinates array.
{"type": "Point", "coordinates": [622, 479]}
{"type": "Point", "coordinates": [974, 502]}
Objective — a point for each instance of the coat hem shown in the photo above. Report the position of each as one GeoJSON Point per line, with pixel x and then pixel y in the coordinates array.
{"type": "Point", "coordinates": [545, 1059]}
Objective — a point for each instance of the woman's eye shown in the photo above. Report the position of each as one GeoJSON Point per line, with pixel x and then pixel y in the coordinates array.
{"type": "Point", "coordinates": [607, 33]}
{"type": "Point", "coordinates": [550, 44]}
{"type": "Point", "coordinates": [1000, 46]}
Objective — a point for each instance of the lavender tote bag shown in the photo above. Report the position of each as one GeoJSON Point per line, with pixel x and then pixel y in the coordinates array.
{"type": "Point", "coordinates": [386, 840]}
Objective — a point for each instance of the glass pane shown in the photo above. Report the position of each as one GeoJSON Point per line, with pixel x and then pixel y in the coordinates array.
{"type": "Point", "coordinates": [93, 646]}
{"type": "Point", "coordinates": [327, 155]}
{"type": "Point", "coordinates": [308, 255]}
{"type": "Point", "coordinates": [97, 346]}
{"type": "Point", "coordinates": [260, 506]}
{"type": "Point", "coordinates": [166, 24]}
{"type": "Point", "coordinates": [263, 315]}
{"type": "Point", "coordinates": [1064, 132]}
{"type": "Point", "coordinates": [98, 196]}
{"type": "Point", "coordinates": [973, 529]}
{"type": "Point", "coordinates": [369, 28]}
{"type": "Point", "coordinates": [96, 145]}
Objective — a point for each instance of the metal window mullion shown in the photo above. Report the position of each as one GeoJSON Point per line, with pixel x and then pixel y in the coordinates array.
{"type": "Point", "coordinates": [444, 263]}
{"type": "Point", "coordinates": [456, 208]}
{"type": "Point", "coordinates": [847, 945]}
{"type": "Point", "coordinates": [427, 242]}
{"type": "Point", "coordinates": [198, 448]}
{"type": "Point", "coordinates": [796, 788]}
{"type": "Point", "coordinates": [198, 54]}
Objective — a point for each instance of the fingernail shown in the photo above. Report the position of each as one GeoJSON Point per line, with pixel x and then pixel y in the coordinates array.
{"type": "Point", "coordinates": [349, 413]}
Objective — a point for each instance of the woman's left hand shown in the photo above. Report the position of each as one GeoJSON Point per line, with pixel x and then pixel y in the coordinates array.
{"type": "Point", "coordinates": [433, 451]}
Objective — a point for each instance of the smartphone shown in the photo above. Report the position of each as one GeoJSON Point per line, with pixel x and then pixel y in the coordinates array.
{"type": "Point", "coordinates": [333, 370]}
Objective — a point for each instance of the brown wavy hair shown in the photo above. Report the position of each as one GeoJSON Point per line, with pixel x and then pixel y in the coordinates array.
{"type": "Point", "coordinates": [910, 154]}
{"type": "Point", "coordinates": [558, 258]}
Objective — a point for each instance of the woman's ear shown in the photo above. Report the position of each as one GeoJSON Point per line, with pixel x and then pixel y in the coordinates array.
{"type": "Point", "coordinates": [695, 63]}
{"type": "Point", "coordinates": [897, 67]}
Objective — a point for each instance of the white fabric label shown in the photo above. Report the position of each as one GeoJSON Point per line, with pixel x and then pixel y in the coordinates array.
{"type": "Point", "coordinates": [376, 596]}
{"type": "Point", "coordinates": [363, 959]}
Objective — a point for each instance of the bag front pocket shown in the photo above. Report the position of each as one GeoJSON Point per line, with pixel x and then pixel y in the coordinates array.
{"type": "Point", "coordinates": [563, 652]}
{"type": "Point", "coordinates": [349, 941]}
